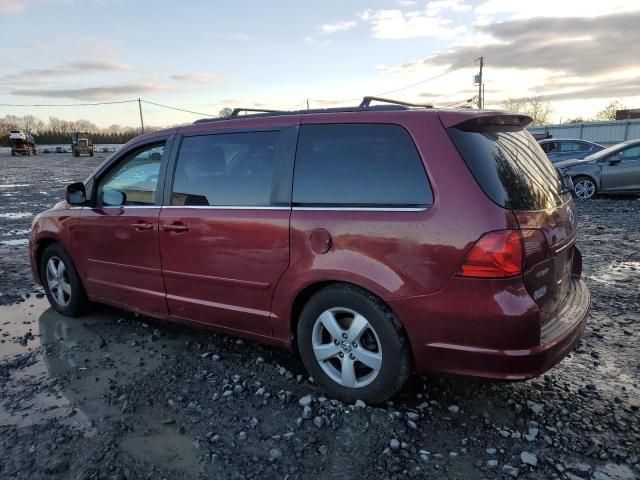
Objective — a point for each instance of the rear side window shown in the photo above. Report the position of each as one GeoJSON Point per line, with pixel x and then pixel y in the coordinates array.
{"type": "Point", "coordinates": [231, 169]}
{"type": "Point", "coordinates": [509, 165]}
{"type": "Point", "coordinates": [359, 165]}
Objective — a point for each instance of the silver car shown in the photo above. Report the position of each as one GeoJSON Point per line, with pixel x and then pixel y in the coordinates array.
{"type": "Point", "coordinates": [614, 170]}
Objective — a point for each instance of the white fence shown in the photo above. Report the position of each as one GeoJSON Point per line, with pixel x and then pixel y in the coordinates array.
{"type": "Point", "coordinates": [605, 133]}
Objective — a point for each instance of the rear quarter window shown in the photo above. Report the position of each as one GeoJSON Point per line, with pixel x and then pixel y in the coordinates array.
{"type": "Point", "coordinates": [509, 166]}
{"type": "Point", "coordinates": [359, 165]}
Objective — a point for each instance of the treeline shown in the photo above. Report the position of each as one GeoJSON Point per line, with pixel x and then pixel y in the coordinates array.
{"type": "Point", "coordinates": [57, 131]}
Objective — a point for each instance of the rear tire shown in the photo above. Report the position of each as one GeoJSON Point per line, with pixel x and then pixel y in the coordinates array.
{"type": "Point", "coordinates": [584, 187]}
{"type": "Point", "coordinates": [353, 345]}
{"type": "Point", "coordinates": [61, 282]}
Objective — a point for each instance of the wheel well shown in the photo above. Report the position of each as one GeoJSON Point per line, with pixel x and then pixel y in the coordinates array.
{"type": "Point", "coordinates": [42, 245]}
{"type": "Point", "coordinates": [305, 294]}
{"type": "Point", "coordinates": [584, 175]}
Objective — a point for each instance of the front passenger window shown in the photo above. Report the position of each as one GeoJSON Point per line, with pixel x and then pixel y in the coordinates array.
{"type": "Point", "coordinates": [134, 181]}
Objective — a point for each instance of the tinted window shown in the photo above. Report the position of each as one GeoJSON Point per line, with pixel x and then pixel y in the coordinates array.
{"type": "Point", "coordinates": [632, 153]}
{"type": "Point", "coordinates": [359, 165]}
{"type": "Point", "coordinates": [134, 180]}
{"type": "Point", "coordinates": [230, 169]}
{"type": "Point", "coordinates": [585, 147]}
{"type": "Point", "coordinates": [510, 166]}
{"type": "Point", "coordinates": [569, 147]}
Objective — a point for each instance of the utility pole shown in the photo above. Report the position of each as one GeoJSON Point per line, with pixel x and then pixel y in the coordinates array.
{"type": "Point", "coordinates": [141, 120]}
{"type": "Point", "coordinates": [480, 86]}
{"type": "Point", "coordinates": [307, 104]}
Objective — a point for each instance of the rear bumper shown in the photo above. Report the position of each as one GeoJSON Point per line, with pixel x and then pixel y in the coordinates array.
{"type": "Point", "coordinates": [557, 338]}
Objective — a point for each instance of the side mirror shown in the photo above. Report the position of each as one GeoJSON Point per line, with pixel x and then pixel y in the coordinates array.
{"type": "Point", "coordinates": [615, 160]}
{"type": "Point", "coordinates": [75, 194]}
{"type": "Point", "coordinates": [113, 198]}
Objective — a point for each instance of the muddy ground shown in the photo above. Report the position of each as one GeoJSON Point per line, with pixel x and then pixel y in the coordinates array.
{"type": "Point", "coordinates": [116, 396]}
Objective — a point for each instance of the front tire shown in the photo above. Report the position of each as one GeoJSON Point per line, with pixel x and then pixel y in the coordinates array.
{"type": "Point", "coordinates": [353, 345]}
{"type": "Point", "coordinates": [584, 187]}
{"type": "Point", "coordinates": [61, 282]}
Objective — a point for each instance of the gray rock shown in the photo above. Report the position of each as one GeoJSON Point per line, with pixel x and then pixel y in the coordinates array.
{"type": "Point", "coordinates": [529, 458]}
{"type": "Point", "coordinates": [275, 454]}
{"type": "Point", "coordinates": [305, 401]}
{"type": "Point", "coordinates": [394, 444]}
{"type": "Point", "coordinates": [511, 471]}
{"type": "Point", "coordinates": [242, 436]}
{"type": "Point", "coordinates": [307, 412]}
{"type": "Point", "coordinates": [360, 404]}
{"type": "Point", "coordinates": [492, 463]}
{"type": "Point", "coordinates": [412, 425]}
{"type": "Point", "coordinates": [535, 407]}
{"type": "Point", "coordinates": [454, 409]}
{"type": "Point", "coordinates": [318, 422]}
{"type": "Point", "coordinates": [491, 451]}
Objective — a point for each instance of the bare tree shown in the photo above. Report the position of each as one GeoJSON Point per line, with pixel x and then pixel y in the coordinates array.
{"type": "Point", "coordinates": [537, 108]}
{"type": "Point", "coordinates": [609, 112]}
{"type": "Point", "coordinates": [225, 112]}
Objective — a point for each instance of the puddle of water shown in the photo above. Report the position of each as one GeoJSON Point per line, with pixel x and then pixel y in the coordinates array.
{"type": "Point", "coordinates": [64, 368]}
{"type": "Point", "coordinates": [618, 272]}
{"type": "Point", "coordinates": [17, 241]}
{"type": "Point", "coordinates": [12, 215]}
{"type": "Point", "coordinates": [613, 471]}
{"type": "Point", "coordinates": [16, 232]}
{"type": "Point", "coordinates": [165, 447]}
{"type": "Point", "coordinates": [15, 185]}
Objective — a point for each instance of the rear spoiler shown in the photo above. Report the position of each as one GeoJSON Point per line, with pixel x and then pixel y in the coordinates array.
{"type": "Point", "coordinates": [476, 120]}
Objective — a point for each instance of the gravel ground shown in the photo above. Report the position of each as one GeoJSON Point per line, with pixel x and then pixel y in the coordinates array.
{"type": "Point", "coordinates": [117, 396]}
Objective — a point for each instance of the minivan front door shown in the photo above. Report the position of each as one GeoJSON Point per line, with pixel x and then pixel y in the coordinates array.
{"type": "Point", "coordinates": [224, 235]}
{"type": "Point", "coordinates": [119, 234]}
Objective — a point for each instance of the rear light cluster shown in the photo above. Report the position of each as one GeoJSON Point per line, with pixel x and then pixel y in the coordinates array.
{"type": "Point", "coordinates": [504, 254]}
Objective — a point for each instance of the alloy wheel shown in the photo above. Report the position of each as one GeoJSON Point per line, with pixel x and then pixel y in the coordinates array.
{"type": "Point", "coordinates": [58, 281]}
{"type": "Point", "coordinates": [346, 347]}
{"type": "Point", "coordinates": [584, 189]}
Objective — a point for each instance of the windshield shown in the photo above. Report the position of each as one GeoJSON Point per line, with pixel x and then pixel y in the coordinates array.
{"type": "Point", "coordinates": [607, 151]}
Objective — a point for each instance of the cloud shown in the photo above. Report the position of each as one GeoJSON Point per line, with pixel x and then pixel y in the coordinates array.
{"type": "Point", "coordinates": [337, 27]}
{"type": "Point", "coordinates": [105, 93]}
{"type": "Point", "coordinates": [71, 68]}
{"type": "Point", "coordinates": [553, 44]}
{"type": "Point", "coordinates": [396, 24]}
{"type": "Point", "coordinates": [201, 78]}
{"type": "Point", "coordinates": [554, 8]}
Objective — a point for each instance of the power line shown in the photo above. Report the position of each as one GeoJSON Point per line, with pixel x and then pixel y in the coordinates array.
{"type": "Point", "coordinates": [179, 109]}
{"type": "Point", "coordinates": [64, 104]}
{"type": "Point", "coordinates": [446, 72]}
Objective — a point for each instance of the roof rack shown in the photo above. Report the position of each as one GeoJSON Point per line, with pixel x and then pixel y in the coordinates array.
{"type": "Point", "coordinates": [365, 105]}
{"type": "Point", "coordinates": [236, 111]}
{"type": "Point", "coordinates": [366, 102]}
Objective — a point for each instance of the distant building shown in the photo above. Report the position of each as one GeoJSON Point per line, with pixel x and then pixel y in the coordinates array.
{"type": "Point", "coordinates": [628, 114]}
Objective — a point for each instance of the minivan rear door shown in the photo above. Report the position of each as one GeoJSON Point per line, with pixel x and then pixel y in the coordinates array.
{"type": "Point", "coordinates": [224, 226]}
{"type": "Point", "coordinates": [515, 173]}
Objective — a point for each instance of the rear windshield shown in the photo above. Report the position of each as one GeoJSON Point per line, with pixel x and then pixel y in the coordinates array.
{"type": "Point", "coordinates": [510, 166]}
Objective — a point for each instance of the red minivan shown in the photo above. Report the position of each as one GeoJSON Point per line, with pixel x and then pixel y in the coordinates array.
{"type": "Point", "coordinates": [375, 240]}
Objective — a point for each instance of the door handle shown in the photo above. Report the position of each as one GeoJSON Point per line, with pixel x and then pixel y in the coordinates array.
{"type": "Point", "coordinates": [141, 226]}
{"type": "Point", "coordinates": [176, 227]}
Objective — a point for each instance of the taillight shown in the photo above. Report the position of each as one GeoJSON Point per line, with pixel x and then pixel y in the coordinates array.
{"type": "Point", "coordinates": [535, 246]}
{"type": "Point", "coordinates": [497, 254]}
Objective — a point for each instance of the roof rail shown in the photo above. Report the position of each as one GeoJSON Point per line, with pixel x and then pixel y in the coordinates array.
{"type": "Point", "coordinates": [236, 111]}
{"type": "Point", "coordinates": [365, 105]}
{"type": "Point", "coordinates": [366, 102]}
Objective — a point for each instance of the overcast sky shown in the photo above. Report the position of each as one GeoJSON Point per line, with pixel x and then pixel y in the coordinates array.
{"type": "Point", "coordinates": [203, 55]}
